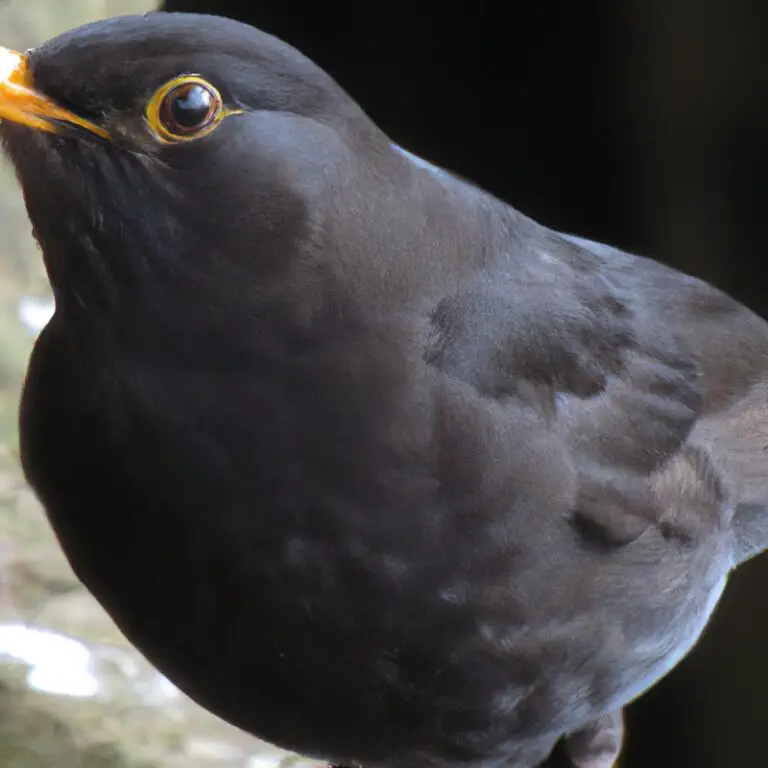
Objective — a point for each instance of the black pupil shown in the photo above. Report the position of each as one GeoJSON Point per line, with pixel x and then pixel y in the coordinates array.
{"type": "Point", "coordinates": [189, 108]}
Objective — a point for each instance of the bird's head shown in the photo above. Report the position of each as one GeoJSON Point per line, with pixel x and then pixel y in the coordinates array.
{"type": "Point", "coordinates": [167, 146]}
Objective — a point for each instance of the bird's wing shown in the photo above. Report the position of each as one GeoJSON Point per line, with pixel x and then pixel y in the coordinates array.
{"type": "Point", "coordinates": [656, 382]}
{"type": "Point", "coordinates": [730, 345]}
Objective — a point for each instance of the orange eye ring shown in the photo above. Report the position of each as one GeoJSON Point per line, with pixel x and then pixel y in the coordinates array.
{"type": "Point", "coordinates": [184, 109]}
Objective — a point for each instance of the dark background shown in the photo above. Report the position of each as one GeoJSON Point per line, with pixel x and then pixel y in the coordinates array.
{"type": "Point", "coordinates": [643, 123]}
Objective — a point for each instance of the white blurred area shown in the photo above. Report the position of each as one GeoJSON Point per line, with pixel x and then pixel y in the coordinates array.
{"type": "Point", "coordinates": [34, 313]}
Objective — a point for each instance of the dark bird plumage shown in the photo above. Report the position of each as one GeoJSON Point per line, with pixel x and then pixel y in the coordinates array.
{"type": "Point", "coordinates": [366, 461]}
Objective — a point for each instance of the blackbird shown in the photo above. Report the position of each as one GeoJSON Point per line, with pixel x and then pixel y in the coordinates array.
{"type": "Point", "coordinates": [366, 461]}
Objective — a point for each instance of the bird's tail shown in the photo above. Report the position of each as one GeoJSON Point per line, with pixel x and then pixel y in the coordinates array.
{"type": "Point", "coordinates": [750, 529]}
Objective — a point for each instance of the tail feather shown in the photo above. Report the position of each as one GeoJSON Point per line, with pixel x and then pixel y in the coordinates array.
{"type": "Point", "coordinates": [736, 439]}
{"type": "Point", "coordinates": [750, 529]}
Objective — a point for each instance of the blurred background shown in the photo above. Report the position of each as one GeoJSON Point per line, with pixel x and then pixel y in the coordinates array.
{"type": "Point", "coordinates": [643, 123]}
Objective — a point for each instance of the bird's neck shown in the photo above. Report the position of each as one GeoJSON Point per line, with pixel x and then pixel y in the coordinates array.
{"type": "Point", "coordinates": [420, 233]}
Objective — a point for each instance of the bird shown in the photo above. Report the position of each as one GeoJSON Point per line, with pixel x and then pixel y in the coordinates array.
{"type": "Point", "coordinates": [366, 461]}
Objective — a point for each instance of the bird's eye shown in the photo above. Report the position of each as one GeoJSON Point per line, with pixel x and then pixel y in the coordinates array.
{"type": "Point", "coordinates": [188, 108]}
{"type": "Point", "coordinates": [185, 108]}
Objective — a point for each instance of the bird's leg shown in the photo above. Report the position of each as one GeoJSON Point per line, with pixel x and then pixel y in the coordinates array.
{"type": "Point", "coordinates": [598, 744]}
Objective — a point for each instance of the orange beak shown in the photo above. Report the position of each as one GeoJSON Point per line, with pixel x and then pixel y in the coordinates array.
{"type": "Point", "coordinates": [21, 103]}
